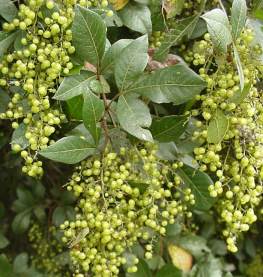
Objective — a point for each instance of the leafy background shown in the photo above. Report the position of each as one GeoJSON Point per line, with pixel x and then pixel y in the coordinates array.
{"type": "Point", "coordinates": [25, 201]}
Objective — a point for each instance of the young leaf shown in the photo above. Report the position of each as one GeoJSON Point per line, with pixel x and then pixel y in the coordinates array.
{"type": "Point", "coordinates": [8, 10]}
{"type": "Point", "coordinates": [219, 29]}
{"type": "Point", "coordinates": [92, 112]}
{"type": "Point", "coordinates": [74, 85]}
{"type": "Point", "coordinates": [239, 67]}
{"type": "Point", "coordinates": [131, 62]}
{"type": "Point", "coordinates": [133, 114]}
{"type": "Point", "coordinates": [68, 150]}
{"type": "Point", "coordinates": [137, 17]}
{"type": "Point", "coordinates": [217, 127]}
{"type": "Point", "coordinates": [198, 182]}
{"type": "Point", "coordinates": [89, 36]}
{"type": "Point", "coordinates": [183, 28]}
{"type": "Point", "coordinates": [238, 17]}
{"type": "Point", "coordinates": [177, 84]}
{"type": "Point", "coordinates": [6, 39]}
{"type": "Point", "coordinates": [168, 128]}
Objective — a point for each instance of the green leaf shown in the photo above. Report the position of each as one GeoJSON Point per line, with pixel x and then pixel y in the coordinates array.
{"type": "Point", "coordinates": [25, 196]}
{"type": "Point", "coordinates": [131, 62]}
{"type": "Point", "coordinates": [133, 114]}
{"type": "Point", "coordinates": [143, 270]}
{"type": "Point", "coordinates": [208, 267]}
{"type": "Point", "coordinates": [183, 28]}
{"type": "Point", "coordinates": [219, 29]}
{"type": "Point", "coordinates": [4, 100]}
{"type": "Point", "coordinates": [157, 17]}
{"type": "Point", "coordinates": [218, 247]}
{"type": "Point", "coordinates": [238, 17]}
{"type": "Point", "coordinates": [74, 107]}
{"type": "Point", "coordinates": [137, 17]}
{"type": "Point", "coordinates": [3, 241]}
{"type": "Point", "coordinates": [217, 127]}
{"type": "Point", "coordinates": [21, 222]}
{"type": "Point", "coordinates": [169, 270]}
{"type": "Point", "coordinates": [59, 216]}
{"type": "Point", "coordinates": [239, 67]}
{"type": "Point", "coordinates": [113, 53]}
{"type": "Point", "coordinates": [93, 110]}
{"type": "Point", "coordinates": [74, 85]}
{"type": "Point", "coordinates": [198, 182]}
{"type": "Point", "coordinates": [6, 39]}
{"type": "Point", "coordinates": [81, 131]}
{"type": "Point", "coordinates": [89, 36]}
{"type": "Point", "coordinates": [173, 229]}
{"type": "Point", "coordinates": [20, 263]}
{"type": "Point", "coordinates": [196, 245]}
{"type": "Point", "coordinates": [199, 30]}
{"type": "Point", "coordinates": [18, 136]}
{"type": "Point", "coordinates": [169, 128]}
{"type": "Point", "coordinates": [169, 151]}
{"type": "Point", "coordinates": [5, 267]}
{"type": "Point", "coordinates": [39, 212]}
{"type": "Point", "coordinates": [38, 190]}
{"type": "Point", "coordinates": [177, 84]}
{"type": "Point", "coordinates": [250, 247]}
{"type": "Point", "coordinates": [8, 10]}
{"type": "Point", "coordinates": [69, 150]}
{"type": "Point", "coordinates": [240, 95]}
{"type": "Point", "coordinates": [155, 263]}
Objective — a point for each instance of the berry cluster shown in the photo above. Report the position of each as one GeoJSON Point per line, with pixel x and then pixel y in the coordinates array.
{"type": "Point", "coordinates": [47, 251]}
{"type": "Point", "coordinates": [236, 160]}
{"type": "Point", "coordinates": [123, 198]}
{"type": "Point", "coordinates": [156, 39]}
{"type": "Point", "coordinates": [32, 72]}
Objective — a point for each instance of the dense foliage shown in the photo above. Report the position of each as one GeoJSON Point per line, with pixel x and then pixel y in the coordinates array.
{"type": "Point", "coordinates": [131, 138]}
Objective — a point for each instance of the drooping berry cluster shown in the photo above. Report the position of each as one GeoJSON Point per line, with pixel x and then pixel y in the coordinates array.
{"type": "Point", "coordinates": [48, 250]}
{"type": "Point", "coordinates": [236, 160]}
{"type": "Point", "coordinates": [123, 198]}
{"type": "Point", "coordinates": [32, 72]}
